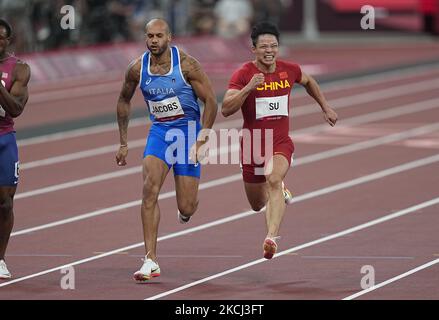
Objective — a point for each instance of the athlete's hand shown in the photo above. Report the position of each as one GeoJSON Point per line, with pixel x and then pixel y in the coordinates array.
{"type": "Point", "coordinates": [199, 151]}
{"type": "Point", "coordinates": [257, 80]}
{"type": "Point", "coordinates": [197, 154]}
{"type": "Point", "coordinates": [121, 155]}
{"type": "Point", "coordinates": [330, 116]}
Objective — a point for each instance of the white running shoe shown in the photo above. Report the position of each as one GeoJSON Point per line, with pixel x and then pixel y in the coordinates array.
{"type": "Point", "coordinates": [149, 270]}
{"type": "Point", "coordinates": [4, 272]}
{"type": "Point", "coordinates": [288, 196]}
{"type": "Point", "coordinates": [181, 218]}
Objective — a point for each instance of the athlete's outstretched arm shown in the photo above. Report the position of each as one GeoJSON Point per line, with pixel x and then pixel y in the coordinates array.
{"type": "Point", "coordinates": [234, 99]}
{"type": "Point", "coordinates": [314, 91]}
{"type": "Point", "coordinates": [132, 78]}
{"type": "Point", "coordinates": [13, 102]}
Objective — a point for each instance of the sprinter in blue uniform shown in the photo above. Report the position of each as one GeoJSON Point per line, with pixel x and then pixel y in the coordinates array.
{"type": "Point", "coordinates": [171, 82]}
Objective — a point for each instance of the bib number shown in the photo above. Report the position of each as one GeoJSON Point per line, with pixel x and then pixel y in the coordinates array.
{"type": "Point", "coordinates": [2, 111]}
{"type": "Point", "coordinates": [271, 107]}
{"type": "Point", "coordinates": [166, 110]}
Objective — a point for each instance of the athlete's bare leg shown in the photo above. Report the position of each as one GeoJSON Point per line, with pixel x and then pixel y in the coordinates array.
{"type": "Point", "coordinates": [276, 201]}
{"type": "Point", "coordinates": [257, 194]}
{"type": "Point", "coordinates": [186, 188]}
{"type": "Point", "coordinates": [154, 174]}
{"type": "Point", "coordinates": [6, 217]}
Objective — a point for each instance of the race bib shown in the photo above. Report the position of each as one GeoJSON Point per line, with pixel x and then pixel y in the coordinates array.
{"type": "Point", "coordinates": [167, 109]}
{"type": "Point", "coordinates": [2, 111]}
{"type": "Point", "coordinates": [271, 107]}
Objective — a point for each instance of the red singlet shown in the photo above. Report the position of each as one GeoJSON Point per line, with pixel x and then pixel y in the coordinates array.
{"type": "Point", "coordinates": [267, 107]}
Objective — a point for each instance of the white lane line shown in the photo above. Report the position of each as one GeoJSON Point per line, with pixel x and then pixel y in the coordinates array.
{"type": "Point", "coordinates": [135, 203]}
{"type": "Point", "coordinates": [381, 77]}
{"type": "Point", "coordinates": [303, 197]}
{"type": "Point", "coordinates": [357, 257]}
{"type": "Point", "coordinates": [113, 86]}
{"type": "Point", "coordinates": [79, 182]}
{"type": "Point", "coordinates": [79, 132]}
{"type": "Point", "coordinates": [368, 178]}
{"type": "Point", "coordinates": [79, 155]}
{"type": "Point", "coordinates": [236, 177]}
{"type": "Point", "coordinates": [339, 103]}
{"type": "Point", "coordinates": [187, 256]}
{"type": "Point", "coordinates": [352, 100]}
{"type": "Point", "coordinates": [233, 123]}
{"type": "Point", "coordinates": [37, 255]}
{"type": "Point", "coordinates": [235, 148]}
{"type": "Point", "coordinates": [369, 143]}
{"type": "Point", "coordinates": [361, 119]}
{"type": "Point", "coordinates": [76, 92]}
{"type": "Point", "coordinates": [376, 95]}
{"type": "Point", "coordinates": [371, 223]}
{"type": "Point", "coordinates": [401, 276]}
{"type": "Point", "coordinates": [348, 102]}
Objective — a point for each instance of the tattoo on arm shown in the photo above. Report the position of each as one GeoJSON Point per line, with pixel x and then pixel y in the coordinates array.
{"type": "Point", "coordinates": [131, 81]}
{"type": "Point", "coordinates": [189, 66]}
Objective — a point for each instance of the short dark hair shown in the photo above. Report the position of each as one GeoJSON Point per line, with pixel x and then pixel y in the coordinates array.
{"type": "Point", "coordinates": [7, 26]}
{"type": "Point", "coordinates": [264, 27]}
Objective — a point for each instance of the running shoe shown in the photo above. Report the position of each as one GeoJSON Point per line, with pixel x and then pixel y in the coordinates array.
{"type": "Point", "coordinates": [270, 247]}
{"type": "Point", "coordinates": [288, 196]}
{"type": "Point", "coordinates": [4, 272]}
{"type": "Point", "coordinates": [182, 219]}
{"type": "Point", "coordinates": [149, 270]}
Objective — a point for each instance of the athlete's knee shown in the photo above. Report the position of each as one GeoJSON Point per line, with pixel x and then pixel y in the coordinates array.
{"type": "Point", "coordinates": [187, 207]}
{"type": "Point", "coordinates": [257, 195]}
{"type": "Point", "coordinates": [151, 190]}
{"type": "Point", "coordinates": [274, 181]}
{"type": "Point", "coordinates": [257, 206]}
{"type": "Point", "coordinates": [6, 206]}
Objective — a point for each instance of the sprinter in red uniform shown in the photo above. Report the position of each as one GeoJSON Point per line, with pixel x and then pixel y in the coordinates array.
{"type": "Point", "coordinates": [261, 90]}
{"type": "Point", "coordinates": [14, 77]}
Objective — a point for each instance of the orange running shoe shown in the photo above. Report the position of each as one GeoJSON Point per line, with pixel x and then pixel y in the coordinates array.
{"type": "Point", "coordinates": [270, 247]}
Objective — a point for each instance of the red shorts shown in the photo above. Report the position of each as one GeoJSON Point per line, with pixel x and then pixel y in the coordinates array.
{"type": "Point", "coordinates": [285, 148]}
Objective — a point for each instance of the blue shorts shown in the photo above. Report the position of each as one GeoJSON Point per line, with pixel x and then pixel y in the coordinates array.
{"type": "Point", "coordinates": [172, 145]}
{"type": "Point", "coordinates": [8, 160]}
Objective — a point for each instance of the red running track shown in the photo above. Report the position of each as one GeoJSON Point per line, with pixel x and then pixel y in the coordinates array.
{"type": "Point", "coordinates": [380, 159]}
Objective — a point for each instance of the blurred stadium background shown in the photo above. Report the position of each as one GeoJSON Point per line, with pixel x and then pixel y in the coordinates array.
{"type": "Point", "coordinates": [115, 21]}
